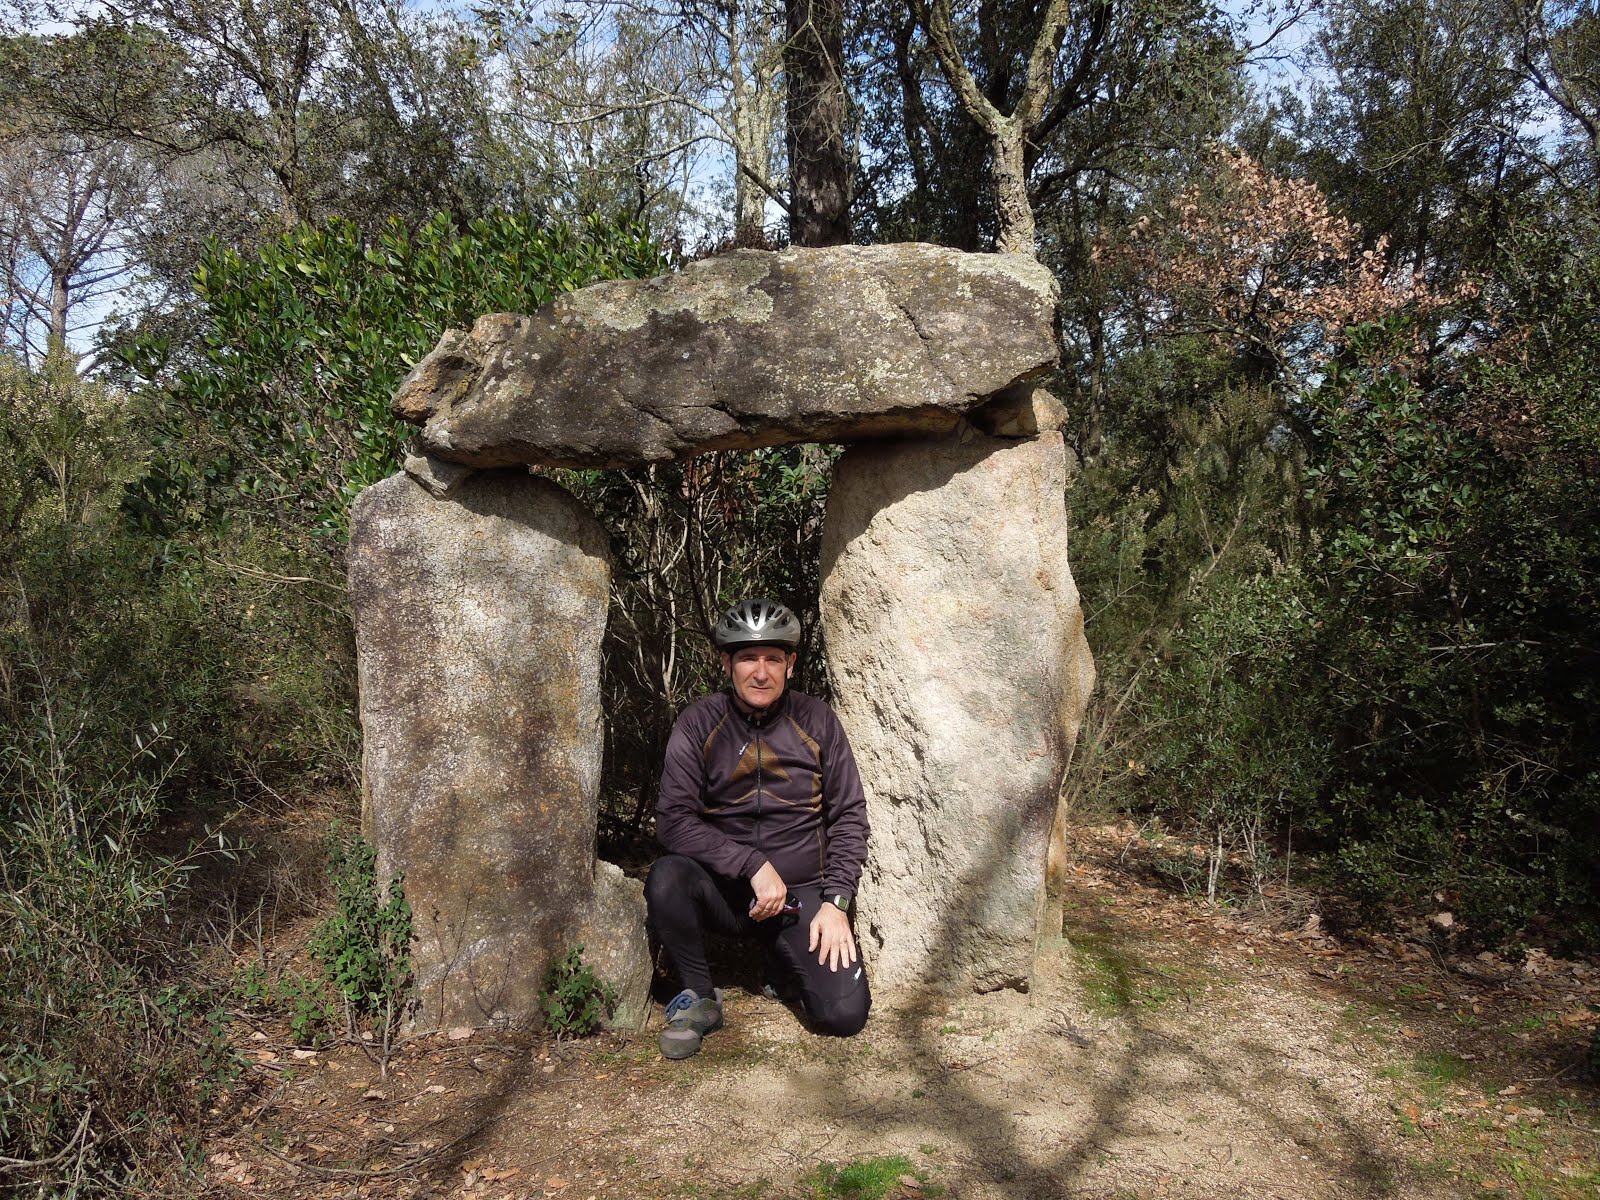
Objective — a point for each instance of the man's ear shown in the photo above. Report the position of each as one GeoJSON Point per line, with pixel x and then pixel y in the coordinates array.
{"type": "Point", "coordinates": [789, 670]}
{"type": "Point", "coordinates": [727, 664]}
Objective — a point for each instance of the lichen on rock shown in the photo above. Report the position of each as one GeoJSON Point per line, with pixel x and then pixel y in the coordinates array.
{"type": "Point", "coordinates": [723, 291]}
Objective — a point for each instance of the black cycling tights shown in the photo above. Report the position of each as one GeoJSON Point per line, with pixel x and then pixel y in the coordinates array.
{"type": "Point", "coordinates": [686, 901]}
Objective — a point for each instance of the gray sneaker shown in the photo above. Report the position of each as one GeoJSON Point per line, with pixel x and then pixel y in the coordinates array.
{"type": "Point", "coordinates": [689, 1018]}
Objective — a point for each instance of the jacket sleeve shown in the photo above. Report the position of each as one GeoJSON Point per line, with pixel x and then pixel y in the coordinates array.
{"type": "Point", "coordinates": [681, 826]}
{"type": "Point", "coordinates": [844, 813]}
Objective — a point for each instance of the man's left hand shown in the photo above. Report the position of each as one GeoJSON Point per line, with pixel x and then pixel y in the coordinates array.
{"type": "Point", "coordinates": [831, 937]}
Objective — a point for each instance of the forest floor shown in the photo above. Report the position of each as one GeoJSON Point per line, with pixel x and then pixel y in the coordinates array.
{"type": "Point", "coordinates": [1169, 1048]}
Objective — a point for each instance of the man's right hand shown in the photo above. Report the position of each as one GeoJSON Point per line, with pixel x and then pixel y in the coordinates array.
{"type": "Point", "coordinates": [770, 892]}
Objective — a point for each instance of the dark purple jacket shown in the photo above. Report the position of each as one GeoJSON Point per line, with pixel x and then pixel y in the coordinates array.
{"type": "Point", "coordinates": [737, 792]}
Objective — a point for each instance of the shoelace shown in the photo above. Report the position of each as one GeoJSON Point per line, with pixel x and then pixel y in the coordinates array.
{"type": "Point", "coordinates": [680, 1002]}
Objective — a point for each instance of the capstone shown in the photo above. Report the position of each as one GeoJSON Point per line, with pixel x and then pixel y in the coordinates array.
{"type": "Point", "coordinates": [749, 349]}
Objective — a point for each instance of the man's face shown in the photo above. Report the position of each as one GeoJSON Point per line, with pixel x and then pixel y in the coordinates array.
{"type": "Point", "coordinates": [759, 673]}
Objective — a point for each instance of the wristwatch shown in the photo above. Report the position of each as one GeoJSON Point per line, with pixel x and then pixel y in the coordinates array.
{"type": "Point", "coordinates": [839, 901]}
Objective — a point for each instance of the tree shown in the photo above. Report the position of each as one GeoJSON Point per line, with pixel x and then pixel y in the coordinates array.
{"type": "Point", "coordinates": [1261, 265]}
{"type": "Point", "coordinates": [297, 108]}
{"type": "Point", "coordinates": [576, 115]}
{"type": "Point", "coordinates": [1125, 83]}
{"type": "Point", "coordinates": [920, 177]}
{"type": "Point", "coordinates": [70, 209]}
{"type": "Point", "coordinates": [1557, 46]}
{"type": "Point", "coordinates": [600, 67]}
{"type": "Point", "coordinates": [1008, 132]}
{"type": "Point", "coordinates": [1423, 136]}
{"type": "Point", "coordinates": [819, 166]}
{"type": "Point", "coordinates": [244, 117]}
{"type": "Point", "coordinates": [1137, 90]}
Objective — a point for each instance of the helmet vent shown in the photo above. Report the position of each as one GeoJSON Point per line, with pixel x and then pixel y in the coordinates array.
{"type": "Point", "coordinates": [757, 621]}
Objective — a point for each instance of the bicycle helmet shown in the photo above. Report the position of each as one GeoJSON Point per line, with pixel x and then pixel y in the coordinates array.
{"type": "Point", "coordinates": [757, 621]}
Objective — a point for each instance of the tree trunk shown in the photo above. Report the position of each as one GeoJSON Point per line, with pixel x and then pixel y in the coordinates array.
{"type": "Point", "coordinates": [819, 166]}
{"type": "Point", "coordinates": [1012, 206]}
{"type": "Point", "coordinates": [59, 304]}
{"type": "Point", "coordinates": [754, 89]}
{"type": "Point", "coordinates": [751, 166]}
{"type": "Point", "coordinates": [1008, 132]}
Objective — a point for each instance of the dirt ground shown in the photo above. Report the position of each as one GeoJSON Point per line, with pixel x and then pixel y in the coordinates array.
{"type": "Point", "coordinates": [1167, 1049]}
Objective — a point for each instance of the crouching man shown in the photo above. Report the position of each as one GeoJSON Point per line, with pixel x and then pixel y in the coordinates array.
{"type": "Point", "coordinates": [764, 823]}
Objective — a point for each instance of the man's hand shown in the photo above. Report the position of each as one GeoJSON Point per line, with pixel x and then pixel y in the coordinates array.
{"type": "Point", "coordinates": [770, 892]}
{"type": "Point", "coordinates": [831, 937]}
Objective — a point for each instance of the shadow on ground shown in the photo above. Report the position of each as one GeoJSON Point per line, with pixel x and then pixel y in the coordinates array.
{"type": "Point", "coordinates": [1161, 1052]}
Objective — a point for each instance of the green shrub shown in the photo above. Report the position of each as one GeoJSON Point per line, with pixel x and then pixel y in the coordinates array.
{"type": "Point", "coordinates": [281, 413]}
{"type": "Point", "coordinates": [252, 987]}
{"type": "Point", "coordinates": [1227, 735]}
{"type": "Point", "coordinates": [217, 644]}
{"type": "Point", "coordinates": [1455, 593]}
{"type": "Point", "coordinates": [576, 1001]}
{"type": "Point", "coordinates": [313, 1010]}
{"type": "Point", "coordinates": [364, 945]}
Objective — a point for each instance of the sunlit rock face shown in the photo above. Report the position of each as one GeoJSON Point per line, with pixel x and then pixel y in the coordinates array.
{"type": "Point", "coordinates": [478, 627]}
{"type": "Point", "coordinates": [753, 348]}
{"type": "Point", "coordinates": [960, 670]}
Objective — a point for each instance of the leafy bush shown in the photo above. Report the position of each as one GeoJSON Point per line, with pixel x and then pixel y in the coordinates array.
{"type": "Point", "coordinates": [282, 411]}
{"type": "Point", "coordinates": [313, 1009]}
{"type": "Point", "coordinates": [1236, 743]}
{"type": "Point", "coordinates": [364, 945]}
{"type": "Point", "coordinates": [576, 1001]}
{"type": "Point", "coordinates": [1456, 600]}
{"type": "Point", "coordinates": [217, 645]}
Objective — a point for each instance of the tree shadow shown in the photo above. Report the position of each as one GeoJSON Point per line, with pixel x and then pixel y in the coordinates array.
{"type": "Point", "coordinates": [1153, 1065]}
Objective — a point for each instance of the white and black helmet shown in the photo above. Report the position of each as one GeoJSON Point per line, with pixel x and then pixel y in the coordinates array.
{"type": "Point", "coordinates": [757, 621]}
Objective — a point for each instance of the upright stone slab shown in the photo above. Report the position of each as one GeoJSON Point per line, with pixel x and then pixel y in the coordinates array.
{"type": "Point", "coordinates": [961, 673]}
{"type": "Point", "coordinates": [478, 628]}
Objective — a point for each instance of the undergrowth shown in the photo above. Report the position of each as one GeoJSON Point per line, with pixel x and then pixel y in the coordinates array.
{"type": "Point", "coordinates": [111, 1054]}
{"type": "Point", "coordinates": [150, 687]}
{"type": "Point", "coordinates": [576, 1001]}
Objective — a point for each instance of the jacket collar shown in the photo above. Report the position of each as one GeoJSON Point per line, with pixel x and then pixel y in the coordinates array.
{"type": "Point", "coordinates": [758, 720]}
